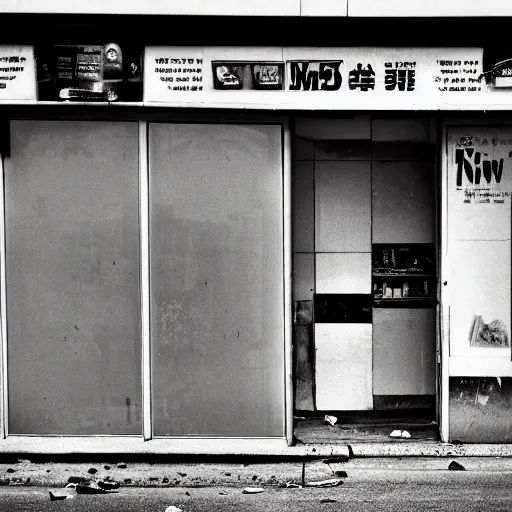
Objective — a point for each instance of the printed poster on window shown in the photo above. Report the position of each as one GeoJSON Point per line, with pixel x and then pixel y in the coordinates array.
{"type": "Point", "coordinates": [479, 174]}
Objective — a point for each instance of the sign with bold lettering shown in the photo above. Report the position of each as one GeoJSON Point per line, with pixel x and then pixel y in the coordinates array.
{"type": "Point", "coordinates": [314, 76]}
{"type": "Point", "coordinates": [17, 73]}
{"type": "Point", "coordinates": [482, 168]}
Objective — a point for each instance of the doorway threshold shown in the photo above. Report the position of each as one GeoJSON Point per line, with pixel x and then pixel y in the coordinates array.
{"type": "Point", "coordinates": [362, 428]}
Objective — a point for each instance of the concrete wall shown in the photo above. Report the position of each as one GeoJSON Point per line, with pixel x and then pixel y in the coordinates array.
{"type": "Point", "coordinates": [265, 7]}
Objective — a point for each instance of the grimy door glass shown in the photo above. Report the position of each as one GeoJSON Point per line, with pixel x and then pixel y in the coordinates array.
{"type": "Point", "coordinates": [72, 262]}
{"type": "Point", "coordinates": [217, 321]}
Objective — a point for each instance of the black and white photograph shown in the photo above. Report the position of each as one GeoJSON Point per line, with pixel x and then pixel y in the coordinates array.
{"type": "Point", "coordinates": [255, 255]}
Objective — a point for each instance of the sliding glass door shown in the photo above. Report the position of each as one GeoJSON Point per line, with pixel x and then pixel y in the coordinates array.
{"type": "Point", "coordinates": [75, 232]}
{"type": "Point", "coordinates": [217, 317]}
{"type": "Point", "coordinates": [72, 267]}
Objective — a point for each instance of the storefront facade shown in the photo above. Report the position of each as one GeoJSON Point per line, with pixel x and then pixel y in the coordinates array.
{"type": "Point", "coordinates": [199, 242]}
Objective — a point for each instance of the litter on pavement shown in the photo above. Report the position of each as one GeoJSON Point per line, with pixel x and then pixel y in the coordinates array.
{"type": "Point", "coordinates": [253, 490]}
{"type": "Point", "coordinates": [400, 433]}
{"type": "Point", "coordinates": [91, 488]}
{"type": "Point", "coordinates": [330, 420]}
{"type": "Point", "coordinates": [333, 482]}
{"type": "Point", "coordinates": [455, 466]}
{"type": "Point", "coordinates": [58, 497]}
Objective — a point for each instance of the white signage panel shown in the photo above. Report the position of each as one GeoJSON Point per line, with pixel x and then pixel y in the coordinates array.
{"type": "Point", "coordinates": [329, 78]}
{"type": "Point", "coordinates": [172, 72]}
{"type": "Point", "coordinates": [17, 73]}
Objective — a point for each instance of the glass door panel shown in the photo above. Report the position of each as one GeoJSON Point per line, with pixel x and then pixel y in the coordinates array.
{"type": "Point", "coordinates": [73, 297]}
{"type": "Point", "coordinates": [217, 280]}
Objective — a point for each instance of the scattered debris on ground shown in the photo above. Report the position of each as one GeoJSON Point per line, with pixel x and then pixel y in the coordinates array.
{"type": "Point", "coordinates": [455, 466]}
{"type": "Point", "coordinates": [400, 433]}
{"type": "Point", "coordinates": [292, 485]}
{"type": "Point", "coordinates": [91, 487]}
{"type": "Point", "coordinates": [330, 420]}
{"type": "Point", "coordinates": [253, 490]}
{"type": "Point", "coordinates": [108, 485]}
{"type": "Point", "coordinates": [333, 482]}
{"type": "Point", "coordinates": [59, 497]}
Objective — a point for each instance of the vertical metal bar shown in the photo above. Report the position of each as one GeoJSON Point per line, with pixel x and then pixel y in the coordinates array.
{"type": "Point", "coordinates": [287, 266]}
{"type": "Point", "coordinates": [444, 292]}
{"type": "Point", "coordinates": [147, 427]}
{"type": "Point", "coordinates": [3, 311]}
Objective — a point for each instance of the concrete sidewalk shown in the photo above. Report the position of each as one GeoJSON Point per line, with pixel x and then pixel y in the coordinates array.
{"type": "Point", "coordinates": [250, 472]}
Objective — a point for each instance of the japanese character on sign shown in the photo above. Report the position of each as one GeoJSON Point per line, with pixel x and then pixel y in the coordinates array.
{"type": "Point", "coordinates": [362, 78]}
{"type": "Point", "coordinates": [403, 79]}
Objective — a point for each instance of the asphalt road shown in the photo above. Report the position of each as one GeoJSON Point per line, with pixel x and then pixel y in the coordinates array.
{"type": "Point", "coordinates": [367, 490]}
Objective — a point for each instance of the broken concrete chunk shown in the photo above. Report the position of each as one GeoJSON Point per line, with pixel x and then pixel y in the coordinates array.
{"type": "Point", "coordinates": [91, 488]}
{"type": "Point", "coordinates": [330, 420]}
{"type": "Point", "coordinates": [455, 466]}
{"type": "Point", "coordinates": [172, 508]}
{"type": "Point", "coordinates": [59, 497]}
{"type": "Point", "coordinates": [108, 485]}
{"type": "Point", "coordinates": [333, 482]}
{"type": "Point", "coordinates": [253, 490]}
